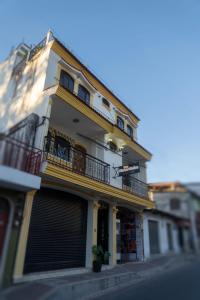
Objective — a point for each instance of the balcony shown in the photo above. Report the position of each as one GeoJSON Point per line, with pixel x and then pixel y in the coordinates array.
{"type": "Point", "coordinates": [20, 156]}
{"type": "Point", "coordinates": [70, 158]}
{"type": "Point", "coordinates": [19, 165]}
{"type": "Point", "coordinates": [135, 186]}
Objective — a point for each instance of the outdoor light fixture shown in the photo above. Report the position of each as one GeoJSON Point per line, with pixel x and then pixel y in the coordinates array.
{"type": "Point", "coordinates": [76, 120]}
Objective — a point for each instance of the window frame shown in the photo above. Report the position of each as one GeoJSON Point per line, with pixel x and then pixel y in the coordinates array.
{"type": "Point", "coordinates": [122, 122]}
{"type": "Point", "coordinates": [128, 127]}
{"type": "Point", "coordinates": [87, 101]}
{"type": "Point", "coordinates": [64, 73]}
{"type": "Point", "coordinates": [175, 203]}
{"type": "Point", "coordinates": [106, 103]}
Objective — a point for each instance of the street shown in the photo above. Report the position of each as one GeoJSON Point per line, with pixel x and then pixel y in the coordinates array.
{"type": "Point", "coordinates": [183, 283]}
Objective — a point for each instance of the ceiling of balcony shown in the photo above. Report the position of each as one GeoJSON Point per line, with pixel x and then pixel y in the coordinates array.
{"type": "Point", "coordinates": [65, 116]}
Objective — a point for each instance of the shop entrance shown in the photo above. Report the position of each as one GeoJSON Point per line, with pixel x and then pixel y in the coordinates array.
{"type": "Point", "coordinates": [102, 228]}
{"type": "Point", "coordinates": [4, 216]}
{"type": "Point", "coordinates": [126, 236]}
{"type": "Point", "coordinates": [57, 233]}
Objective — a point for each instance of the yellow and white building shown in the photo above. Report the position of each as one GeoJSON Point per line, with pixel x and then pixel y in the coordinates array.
{"type": "Point", "coordinates": [93, 170]}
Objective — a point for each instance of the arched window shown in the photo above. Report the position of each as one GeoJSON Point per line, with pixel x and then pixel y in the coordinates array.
{"type": "Point", "coordinates": [175, 203]}
{"type": "Point", "coordinates": [83, 94]}
{"type": "Point", "coordinates": [130, 131]}
{"type": "Point", "coordinates": [120, 123]}
{"type": "Point", "coordinates": [66, 81]}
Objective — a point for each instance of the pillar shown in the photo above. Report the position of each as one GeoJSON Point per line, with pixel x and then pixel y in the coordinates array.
{"type": "Point", "coordinates": [112, 235]}
{"type": "Point", "coordinates": [23, 238]}
{"type": "Point", "coordinates": [92, 220]}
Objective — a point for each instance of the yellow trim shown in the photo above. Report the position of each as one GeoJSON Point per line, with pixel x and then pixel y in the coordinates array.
{"type": "Point", "coordinates": [23, 238]}
{"type": "Point", "coordinates": [86, 182]}
{"type": "Point", "coordinates": [98, 119]}
{"type": "Point", "coordinates": [65, 55]}
{"type": "Point", "coordinates": [86, 110]}
{"type": "Point", "coordinates": [127, 141]}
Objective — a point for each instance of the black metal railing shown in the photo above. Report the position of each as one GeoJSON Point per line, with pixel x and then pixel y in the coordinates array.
{"type": "Point", "coordinates": [37, 48]}
{"type": "Point", "coordinates": [18, 155]}
{"type": "Point", "coordinates": [70, 158]}
{"type": "Point", "coordinates": [135, 186]}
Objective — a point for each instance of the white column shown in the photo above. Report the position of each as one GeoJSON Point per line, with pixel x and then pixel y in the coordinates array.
{"type": "Point", "coordinates": [23, 238]}
{"type": "Point", "coordinates": [112, 235]}
{"type": "Point", "coordinates": [91, 240]}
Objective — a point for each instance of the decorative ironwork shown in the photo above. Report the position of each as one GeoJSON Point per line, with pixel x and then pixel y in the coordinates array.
{"type": "Point", "coordinates": [70, 158]}
{"type": "Point", "coordinates": [135, 186]}
{"type": "Point", "coordinates": [18, 155]}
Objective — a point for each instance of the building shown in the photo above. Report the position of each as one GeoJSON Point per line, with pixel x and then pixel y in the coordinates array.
{"type": "Point", "coordinates": [181, 204]}
{"type": "Point", "coordinates": [83, 139]}
{"type": "Point", "coordinates": [161, 233]}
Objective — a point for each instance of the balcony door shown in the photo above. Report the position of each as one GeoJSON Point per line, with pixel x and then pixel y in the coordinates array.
{"type": "Point", "coordinates": [79, 159]}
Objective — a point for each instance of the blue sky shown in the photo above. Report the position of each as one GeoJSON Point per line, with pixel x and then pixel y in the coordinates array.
{"type": "Point", "coordinates": [148, 52]}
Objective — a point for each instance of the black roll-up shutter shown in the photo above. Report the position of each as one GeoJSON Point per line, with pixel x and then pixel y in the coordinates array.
{"type": "Point", "coordinates": [57, 234]}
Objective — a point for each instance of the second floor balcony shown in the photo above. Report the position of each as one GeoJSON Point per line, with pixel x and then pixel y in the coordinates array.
{"type": "Point", "coordinates": [63, 155]}
{"type": "Point", "coordinates": [75, 159]}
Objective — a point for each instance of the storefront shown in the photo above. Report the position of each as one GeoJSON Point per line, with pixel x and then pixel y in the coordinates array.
{"type": "Point", "coordinates": [126, 236]}
{"type": "Point", "coordinates": [57, 233]}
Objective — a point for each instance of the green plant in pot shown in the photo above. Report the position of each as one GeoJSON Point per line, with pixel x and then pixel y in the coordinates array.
{"type": "Point", "coordinates": [98, 254]}
{"type": "Point", "coordinates": [106, 257]}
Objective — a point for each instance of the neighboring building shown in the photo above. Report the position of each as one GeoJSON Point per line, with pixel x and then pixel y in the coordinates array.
{"type": "Point", "coordinates": [182, 203]}
{"type": "Point", "coordinates": [161, 233]}
{"type": "Point", "coordinates": [93, 170]}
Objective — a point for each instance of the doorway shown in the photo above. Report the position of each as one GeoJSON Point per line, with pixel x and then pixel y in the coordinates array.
{"type": "Point", "coordinates": [126, 236]}
{"type": "Point", "coordinates": [79, 159]}
{"type": "Point", "coordinates": [102, 228]}
{"type": "Point", "coordinates": [154, 237]}
{"type": "Point", "coordinates": [4, 217]}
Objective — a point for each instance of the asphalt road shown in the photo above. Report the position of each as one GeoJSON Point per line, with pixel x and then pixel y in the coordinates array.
{"type": "Point", "coordinates": [182, 283]}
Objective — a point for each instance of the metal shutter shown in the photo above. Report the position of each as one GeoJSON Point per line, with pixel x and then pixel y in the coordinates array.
{"type": "Point", "coordinates": [154, 237]}
{"type": "Point", "coordinates": [57, 234]}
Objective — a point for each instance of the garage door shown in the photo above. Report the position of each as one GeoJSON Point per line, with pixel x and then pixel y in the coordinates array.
{"type": "Point", "coordinates": [57, 234]}
{"type": "Point", "coordinates": [154, 237]}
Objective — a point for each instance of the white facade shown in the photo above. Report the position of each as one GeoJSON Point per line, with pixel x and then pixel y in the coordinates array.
{"type": "Point", "coordinates": [164, 247]}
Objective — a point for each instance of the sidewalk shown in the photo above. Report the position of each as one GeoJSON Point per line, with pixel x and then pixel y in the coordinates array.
{"type": "Point", "coordinates": [88, 284]}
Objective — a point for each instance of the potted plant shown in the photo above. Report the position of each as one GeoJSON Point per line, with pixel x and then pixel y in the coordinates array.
{"type": "Point", "coordinates": [98, 254]}
{"type": "Point", "coordinates": [106, 257]}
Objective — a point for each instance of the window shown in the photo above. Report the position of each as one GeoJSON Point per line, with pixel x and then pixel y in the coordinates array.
{"type": "Point", "coordinates": [105, 102]}
{"type": "Point", "coordinates": [120, 123]}
{"type": "Point", "coordinates": [175, 203]}
{"type": "Point", "coordinates": [66, 81]}
{"type": "Point", "coordinates": [129, 130]}
{"type": "Point", "coordinates": [83, 94]}
{"type": "Point", "coordinates": [62, 148]}
{"type": "Point", "coordinates": [112, 146]}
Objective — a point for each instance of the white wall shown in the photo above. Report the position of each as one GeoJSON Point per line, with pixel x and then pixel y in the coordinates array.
{"type": "Point", "coordinates": [163, 238]}
{"type": "Point", "coordinates": [23, 94]}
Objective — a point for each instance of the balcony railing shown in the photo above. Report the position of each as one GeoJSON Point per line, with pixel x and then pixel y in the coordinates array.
{"type": "Point", "coordinates": [18, 155]}
{"type": "Point", "coordinates": [72, 159]}
{"type": "Point", "coordinates": [135, 186]}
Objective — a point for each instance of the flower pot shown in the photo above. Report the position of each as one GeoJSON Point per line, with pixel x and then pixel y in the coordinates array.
{"type": "Point", "coordinates": [97, 266]}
